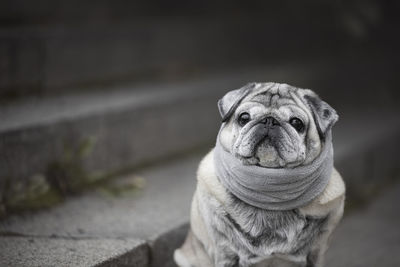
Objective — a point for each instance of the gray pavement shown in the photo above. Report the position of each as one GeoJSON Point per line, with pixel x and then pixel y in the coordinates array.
{"type": "Point", "coordinates": [45, 251]}
{"type": "Point", "coordinates": [156, 214]}
{"type": "Point", "coordinates": [161, 204]}
{"type": "Point", "coordinates": [369, 237]}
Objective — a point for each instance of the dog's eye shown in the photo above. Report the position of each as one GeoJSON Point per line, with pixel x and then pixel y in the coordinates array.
{"type": "Point", "coordinates": [297, 124]}
{"type": "Point", "coordinates": [243, 118]}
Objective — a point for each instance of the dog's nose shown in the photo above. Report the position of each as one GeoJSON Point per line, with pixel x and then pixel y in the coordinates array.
{"type": "Point", "coordinates": [270, 121]}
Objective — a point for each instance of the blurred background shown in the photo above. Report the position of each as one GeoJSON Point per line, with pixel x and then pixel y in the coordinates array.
{"type": "Point", "coordinates": [106, 108]}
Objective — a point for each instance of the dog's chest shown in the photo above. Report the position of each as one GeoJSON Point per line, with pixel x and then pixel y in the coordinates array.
{"type": "Point", "coordinates": [263, 232]}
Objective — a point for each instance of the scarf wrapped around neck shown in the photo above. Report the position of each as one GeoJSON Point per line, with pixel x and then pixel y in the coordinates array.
{"type": "Point", "coordinates": [275, 188]}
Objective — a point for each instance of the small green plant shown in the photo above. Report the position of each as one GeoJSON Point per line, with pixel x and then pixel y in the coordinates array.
{"type": "Point", "coordinates": [61, 177]}
{"type": "Point", "coordinates": [68, 174]}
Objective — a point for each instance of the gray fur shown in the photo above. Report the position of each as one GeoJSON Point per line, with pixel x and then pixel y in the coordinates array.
{"type": "Point", "coordinates": [226, 231]}
{"type": "Point", "coordinates": [231, 100]}
{"type": "Point", "coordinates": [284, 146]}
{"type": "Point", "coordinates": [323, 114]}
{"type": "Point", "coordinates": [246, 231]}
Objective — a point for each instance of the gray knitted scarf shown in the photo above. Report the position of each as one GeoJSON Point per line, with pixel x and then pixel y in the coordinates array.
{"type": "Point", "coordinates": [275, 188]}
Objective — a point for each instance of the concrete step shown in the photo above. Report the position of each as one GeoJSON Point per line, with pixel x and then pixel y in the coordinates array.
{"type": "Point", "coordinates": [366, 150]}
{"type": "Point", "coordinates": [158, 214]}
{"type": "Point", "coordinates": [56, 144]}
{"type": "Point", "coordinates": [44, 251]}
{"type": "Point", "coordinates": [54, 48]}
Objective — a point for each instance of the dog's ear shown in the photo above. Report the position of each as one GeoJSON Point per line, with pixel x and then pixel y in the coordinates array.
{"type": "Point", "coordinates": [231, 100]}
{"type": "Point", "coordinates": [324, 115]}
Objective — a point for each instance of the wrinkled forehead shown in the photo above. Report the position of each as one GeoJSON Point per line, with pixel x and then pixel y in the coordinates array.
{"type": "Point", "coordinates": [272, 94]}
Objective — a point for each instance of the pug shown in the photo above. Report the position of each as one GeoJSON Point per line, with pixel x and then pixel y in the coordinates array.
{"type": "Point", "coordinates": [267, 194]}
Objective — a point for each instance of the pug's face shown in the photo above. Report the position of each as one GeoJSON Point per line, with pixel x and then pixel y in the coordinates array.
{"type": "Point", "coordinates": [274, 125]}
